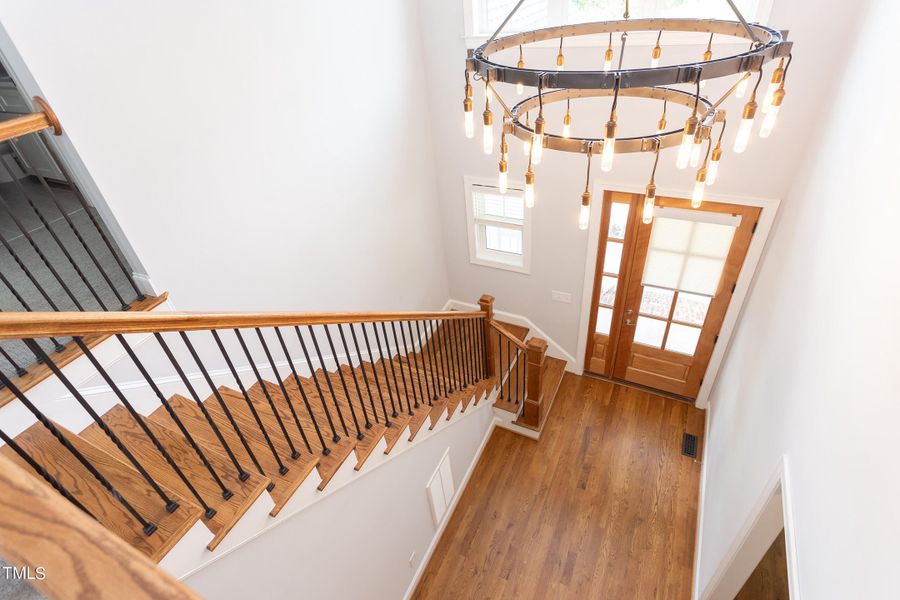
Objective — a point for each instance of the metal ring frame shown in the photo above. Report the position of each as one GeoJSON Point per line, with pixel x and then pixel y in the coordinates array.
{"type": "Point", "coordinates": [708, 116]}
{"type": "Point", "coordinates": [772, 44]}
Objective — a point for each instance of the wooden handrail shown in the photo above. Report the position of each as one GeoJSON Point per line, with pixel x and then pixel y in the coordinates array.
{"type": "Point", "coordinates": [32, 123]}
{"type": "Point", "coordinates": [78, 557]}
{"type": "Point", "coordinates": [24, 325]}
{"type": "Point", "coordinates": [506, 333]}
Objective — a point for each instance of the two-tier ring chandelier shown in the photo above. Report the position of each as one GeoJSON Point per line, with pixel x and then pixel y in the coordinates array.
{"type": "Point", "coordinates": [651, 82]}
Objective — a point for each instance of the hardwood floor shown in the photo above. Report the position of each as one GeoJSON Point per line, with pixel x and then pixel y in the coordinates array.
{"type": "Point", "coordinates": [602, 506]}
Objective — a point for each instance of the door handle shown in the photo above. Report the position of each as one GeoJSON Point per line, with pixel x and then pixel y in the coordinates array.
{"type": "Point", "coordinates": [629, 322]}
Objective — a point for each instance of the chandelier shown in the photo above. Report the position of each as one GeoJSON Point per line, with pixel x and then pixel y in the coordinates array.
{"type": "Point", "coordinates": [651, 82]}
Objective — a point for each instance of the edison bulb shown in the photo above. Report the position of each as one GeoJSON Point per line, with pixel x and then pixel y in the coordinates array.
{"type": "Point", "coordinates": [741, 88]}
{"type": "Point", "coordinates": [526, 148]}
{"type": "Point", "coordinates": [770, 95]}
{"type": "Point", "coordinates": [649, 201]}
{"type": "Point", "coordinates": [712, 171]}
{"type": "Point", "coordinates": [520, 87]}
{"type": "Point", "coordinates": [529, 195]}
{"type": "Point", "coordinates": [538, 151]}
{"type": "Point", "coordinates": [697, 196]}
{"type": "Point", "coordinates": [702, 83]}
{"type": "Point", "coordinates": [769, 122]}
{"type": "Point", "coordinates": [567, 130]}
{"type": "Point", "coordinates": [684, 150]}
{"type": "Point", "coordinates": [654, 62]}
{"type": "Point", "coordinates": [695, 152]}
{"type": "Point", "coordinates": [584, 216]}
{"type": "Point", "coordinates": [607, 64]}
{"type": "Point", "coordinates": [609, 152]}
{"type": "Point", "coordinates": [488, 139]}
{"type": "Point", "coordinates": [743, 135]}
{"type": "Point", "coordinates": [503, 182]}
{"type": "Point", "coordinates": [470, 124]}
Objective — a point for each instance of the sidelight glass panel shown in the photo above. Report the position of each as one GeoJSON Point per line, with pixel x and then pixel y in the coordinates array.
{"type": "Point", "coordinates": [618, 220]}
{"type": "Point", "coordinates": [612, 258]}
{"type": "Point", "coordinates": [656, 302]}
{"type": "Point", "coordinates": [691, 308]}
{"type": "Point", "coordinates": [604, 320]}
{"type": "Point", "coordinates": [608, 290]}
{"type": "Point", "coordinates": [682, 339]}
{"type": "Point", "coordinates": [649, 332]}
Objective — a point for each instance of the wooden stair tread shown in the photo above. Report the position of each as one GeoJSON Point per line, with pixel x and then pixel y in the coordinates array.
{"type": "Point", "coordinates": [327, 465]}
{"type": "Point", "coordinates": [61, 464]}
{"type": "Point", "coordinates": [420, 413]}
{"type": "Point", "coordinates": [551, 378]}
{"type": "Point", "coordinates": [194, 421]}
{"type": "Point", "coordinates": [228, 512]}
{"type": "Point", "coordinates": [401, 420]}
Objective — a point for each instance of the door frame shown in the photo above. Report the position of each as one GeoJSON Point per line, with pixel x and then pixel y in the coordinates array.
{"type": "Point", "coordinates": [745, 280]}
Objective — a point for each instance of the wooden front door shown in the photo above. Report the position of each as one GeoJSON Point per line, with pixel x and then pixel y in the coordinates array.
{"type": "Point", "coordinates": [661, 290]}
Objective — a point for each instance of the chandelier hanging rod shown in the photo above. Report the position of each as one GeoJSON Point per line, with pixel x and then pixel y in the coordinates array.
{"type": "Point", "coordinates": [506, 20]}
{"type": "Point", "coordinates": [743, 21]}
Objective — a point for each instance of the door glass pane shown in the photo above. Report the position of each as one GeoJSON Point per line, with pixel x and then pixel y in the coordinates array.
{"type": "Point", "coordinates": [656, 302]}
{"type": "Point", "coordinates": [608, 290]}
{"type": "Point", "coordinates": [618, 220]}
{"type": "Point", "coordinates": [503, 239]}
{"type": "Point", "coordinates": [649, 332]}
{"type": "Point", "coordinates": [663, 268]}
{"type": "Point", "coordinates": [604, 319]}
{"type": "Point", "coordinates": [691, 308]}
{"type": "Point", "coordinates": [682, 339]}
{"type": "Point", "coordinates": [711, 239]}
{"type": "Point", "coordinates": [702, 275]}
{"type": "Point", "coordinates": [612, 258]}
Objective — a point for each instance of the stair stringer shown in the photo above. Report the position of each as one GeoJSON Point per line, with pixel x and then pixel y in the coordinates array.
{"type": "Point", "coordinates": [307, 496]}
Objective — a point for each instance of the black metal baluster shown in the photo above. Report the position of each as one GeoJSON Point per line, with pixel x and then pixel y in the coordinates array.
{"type": "Point", "coordinates": [524, 377]}
{"type": "Point", "coordinates": [56, 345]}
{"type": "Point", "coordinates": [284, 391]}
{"type": "Point", "coordinates": [56, 485]}
{"type": "Point", "coordinates": [187, 383]}
{"type": "Point", "coordinates": [435, 358]}
{"type": "Point", "coordinates": [454, 340]}
{"type": "Point", "coordinates": [171, 505]}
{"type": "Point", "coordinates": [325, 450]}
{"type": "Point", "coordinates": [414, 363]}
{"type": "Point", "coordinates": [174, 416]}
{"type": "Point", "coordinates": [476, 354]}
{"type": "Point", "coordinates": [312, 373]}
{"type": "Point", "coordinates": [262, 386]}
{"type": "Point", "coordinates": [500, 350]}
{"type": "Point", "coordinates": [53, 235]}
{"type": "Point", "coordinates": [19, 370]}
{"type": "Point", "coordinates": [467, 354]}
{"type": "Point", "coordinates": [237, 379]}
{"type": "Point", "coordinates": [340, 372]}
{"type": "Point", "coordinates": [409, 409]}
{"type": "Point", "coordinates": [243, 475]}
{"type": "Point", "coordinates": [482, 345]}
{"type": "Point", "coordinates": [419, 361]}
{"type": "Point", "coordinates": [81, 240]}
{"type": "Point", "coordinates": [362, 368]}
{"type": "Point", "coordinates": [387, 380]}
{"type": "Point", "coordinates": [429, 359]}
{"type": "Point", "coordinates": [149, 527]}
{"type": "Point", "coordinates": [412, 381]}
{"type": "Point", "coordinates": [362, 404]}
{"type": "Point", "coordinates": [325, 374]}
{"type": "Point", "coordinates": [448, 367]}
{"type": "Point", "coordinates": [87, 209]}
{"type": "Point", "coordinates": [42, 256]}
{"type": "Point", "coordinates": [208, 511]}
{"type": "Point", "coordinates": [387, 420]}
{"type": "Point", "coordinates": [509, 365]}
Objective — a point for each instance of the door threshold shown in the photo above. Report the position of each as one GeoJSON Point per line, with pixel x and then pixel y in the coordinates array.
{"type": "Point", "coordinates": [643, 388]}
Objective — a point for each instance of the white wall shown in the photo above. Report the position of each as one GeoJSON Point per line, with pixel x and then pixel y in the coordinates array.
{"type": "Point", "coordinates": [560, 249]}
{"type": "Point", "coordinates": [811, 371]}
{"type": "Point", "coordinates": [357, 542]}
{"type": "Point", "coordinates": [254, 158]}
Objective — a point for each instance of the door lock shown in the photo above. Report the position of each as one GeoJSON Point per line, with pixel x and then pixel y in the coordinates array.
{"type": "Point", "coordinates": [629, 322]}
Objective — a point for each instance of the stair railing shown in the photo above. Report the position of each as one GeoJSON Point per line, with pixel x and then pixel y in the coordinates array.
{"type": "Point", "coordinates": [325, 367]}
{"type": "Point", "coordinates": [513, 367]}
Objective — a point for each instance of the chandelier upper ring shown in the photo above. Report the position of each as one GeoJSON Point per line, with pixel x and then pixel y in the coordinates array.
{"type": "Point", "coordinates": [772, 45]}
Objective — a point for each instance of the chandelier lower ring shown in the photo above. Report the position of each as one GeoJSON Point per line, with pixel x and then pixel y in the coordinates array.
{"type": "Point", "coordinates": [772, 45]}
{"type": "Point", "coordinates": [707, 114]}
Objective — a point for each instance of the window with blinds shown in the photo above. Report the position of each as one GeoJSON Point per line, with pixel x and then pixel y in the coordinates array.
{"type": "Point", "coordinates": [497, 227]}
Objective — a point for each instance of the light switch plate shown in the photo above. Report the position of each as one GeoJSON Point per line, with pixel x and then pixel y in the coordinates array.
{"type": "Point", "coordinates": [558, 296]}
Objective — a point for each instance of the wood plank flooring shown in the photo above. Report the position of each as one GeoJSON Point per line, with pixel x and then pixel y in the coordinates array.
{"type": "Point", "coordinates": [602, 506]}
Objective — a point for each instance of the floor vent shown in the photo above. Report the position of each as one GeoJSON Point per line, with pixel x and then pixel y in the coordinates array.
{"type": "Point", "coordinates": [689, 445]}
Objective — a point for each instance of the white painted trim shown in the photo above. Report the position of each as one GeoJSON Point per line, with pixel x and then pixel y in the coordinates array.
{"type": "Point", "coordinates": [748, 548]}
{"type": "Point", "coordinates": [426, 558]}
{"type": "Point", "coordinates": [468, 183]}
{"type": "Point", "coordinates": [553, 349]}
{"type": "Point", "coordinates": [745, 278]}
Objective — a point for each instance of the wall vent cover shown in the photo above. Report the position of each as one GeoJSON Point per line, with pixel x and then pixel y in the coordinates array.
{"type": "Point", "coordinates": [689, 445]}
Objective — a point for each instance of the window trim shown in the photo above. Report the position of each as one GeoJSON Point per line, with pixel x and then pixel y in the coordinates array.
{"type": "Point", "coordinates": [558, 9]}
{"type": "Point", "coordinates": [470, 182]}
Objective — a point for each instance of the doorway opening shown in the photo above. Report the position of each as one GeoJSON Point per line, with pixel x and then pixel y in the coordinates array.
{"type": "Point", "coordinates": [661, 289]}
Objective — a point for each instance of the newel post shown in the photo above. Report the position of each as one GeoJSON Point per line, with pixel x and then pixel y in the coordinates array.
{"type": "Point", "coordinates": [486, 302]}
{"type": "Point", "coordinates": [535, 351]}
